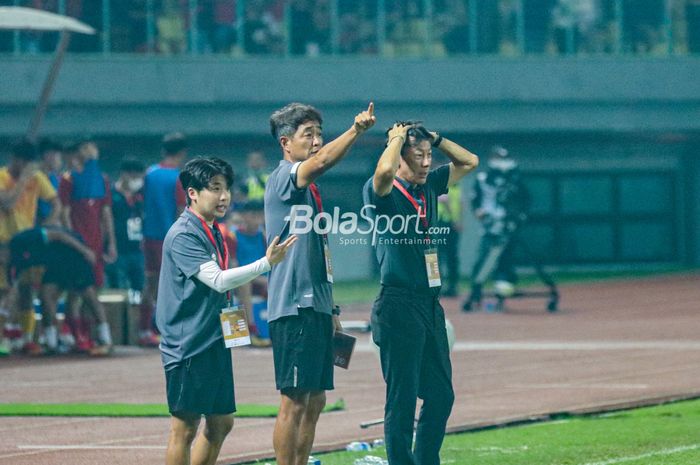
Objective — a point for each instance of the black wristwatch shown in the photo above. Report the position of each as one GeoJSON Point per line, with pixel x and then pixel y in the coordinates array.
{"type": "Point", "coordinates": [336, 310]}
{"type": "Point", "coordinates": [438, 139]}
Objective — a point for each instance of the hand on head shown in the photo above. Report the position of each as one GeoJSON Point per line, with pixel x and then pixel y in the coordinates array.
{"type": "Point", "coordinates": [398, 130]}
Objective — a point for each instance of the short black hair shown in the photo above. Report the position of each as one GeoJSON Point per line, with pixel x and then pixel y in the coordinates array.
{"type": "Point", "coordinates": [199, 172]}
{"type": "Point", "coordinates": [416, 133]}
{"type": "Point", "coordinates": [46, 144]}
{"type": "Point", "coordinates": [173, 143]}
{"type": "Point", "coordinates": [24, 149]}
{"type": "Point", "coordinates": [286, 120]}
{"type": "Point", "coordinates": [131, 165]}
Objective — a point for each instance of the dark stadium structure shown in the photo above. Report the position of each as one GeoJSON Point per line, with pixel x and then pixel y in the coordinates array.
{"type": "Point", "coordinates": [609, 138]}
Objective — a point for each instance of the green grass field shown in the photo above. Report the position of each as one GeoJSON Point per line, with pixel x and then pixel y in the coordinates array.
{"type": "Point", "coordinates": [130, 410]}
{"type": "Point", "coordinates": [661, 435]}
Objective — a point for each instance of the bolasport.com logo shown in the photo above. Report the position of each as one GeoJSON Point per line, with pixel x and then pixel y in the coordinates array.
{"type": "Point", "coordinates": [372, 228]}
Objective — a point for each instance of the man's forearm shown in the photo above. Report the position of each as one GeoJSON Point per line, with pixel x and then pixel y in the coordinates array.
{"type": "Point", "coordinates": [65, 217]}
{"type": "Point", "coordinates": [55, 215]}
{"type": "Point", "coordinates": [108, 226]}
{"type": "Point", "coordinates": [387, 166]}
{"type": "Point", "coordinates": [224, 280]}
{"type": "Point", "coordinates": [327, 157]}
{"type": "Point", "coordinates": [59, 236]}
{"type": "Point", "coordinates": [458, 154]}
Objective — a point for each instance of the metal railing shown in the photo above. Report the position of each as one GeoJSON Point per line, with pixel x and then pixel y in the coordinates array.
{"type": "Point", "coordinates": [388, 28]}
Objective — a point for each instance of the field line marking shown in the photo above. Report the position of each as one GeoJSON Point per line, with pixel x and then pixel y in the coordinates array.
{"type": "Point", "coordinates": [22, 454]}
{"type": "Point", "coordinates": [83, 447]}
{"type": "Point", "coordinates": [671, 451]}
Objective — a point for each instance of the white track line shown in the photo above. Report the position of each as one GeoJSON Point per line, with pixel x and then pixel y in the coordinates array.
{"type": "Point", "coordinates": [22, 454]}
{"type": "Point", "coordinates": [83, 447]}
{"type": "Point", "coordinates": [672, 451]}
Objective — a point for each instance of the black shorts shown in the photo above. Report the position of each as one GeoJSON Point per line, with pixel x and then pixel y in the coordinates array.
{"type": "Point", "coordinates": [203, 384]}
{"type": "Point", "coordinates": [73, 274]}
{"type": "Point", "coordinates": [302, 347]}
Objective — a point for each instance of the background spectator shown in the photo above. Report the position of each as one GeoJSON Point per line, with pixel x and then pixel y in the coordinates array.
{"type": "Point", "coordinates": [22, 184]}
{"type": "Point", "coordinates": [164, 200]}
{"type": "Point", "coordinates": [51, 157]}
{"type": "Point", "coordinates": [642, 25]}
{"type": "Point", "coordinates": [128, 271]}
{"type": "Point", "coordinates": [254, 183]}
{"type": "Point", "coordinates": [171, 28]}
{"type": "Point", "coordinates": [263, 29]}
{"type": "Point", "coordinates": [86, 198]}
{"type": "Point", "coordinates": [66, 266]}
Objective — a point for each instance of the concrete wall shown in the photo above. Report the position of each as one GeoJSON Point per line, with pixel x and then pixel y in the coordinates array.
{"type": "Point", "coordinates": [149, 95]}
{"type": "Point", "coordinates": [557, 114]}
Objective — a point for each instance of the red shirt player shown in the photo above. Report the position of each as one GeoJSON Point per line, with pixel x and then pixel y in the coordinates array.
{"type": "Point", "coordinates": [86, 197]}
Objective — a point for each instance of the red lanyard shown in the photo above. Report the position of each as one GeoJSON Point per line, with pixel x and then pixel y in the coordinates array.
{"type": "Point", "coordinates": [316, 194]}
{"type": "Point", "coordinates": [223, 261]}
{"type": "Point", "coordinates": [410, 198]}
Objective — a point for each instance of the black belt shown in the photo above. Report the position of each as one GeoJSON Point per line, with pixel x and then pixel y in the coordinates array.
{"type": "Point", "coordinates": [415, 290]}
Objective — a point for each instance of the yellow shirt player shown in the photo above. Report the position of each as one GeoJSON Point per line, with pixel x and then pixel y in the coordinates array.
{"type": "Point", "coordinates": [21, 186]}
{"type": "Point", "coordinates": [20, 215]}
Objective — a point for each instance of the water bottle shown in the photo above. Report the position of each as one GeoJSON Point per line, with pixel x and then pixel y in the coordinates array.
{"type": "Point", "coordinates": [490, 306]}
{"type": "Point", "coordinates": [371, 460]}
{"type": "Point", "coordinates": [355, 446]}
{"type": "Point", "coordinates": [313, 460]}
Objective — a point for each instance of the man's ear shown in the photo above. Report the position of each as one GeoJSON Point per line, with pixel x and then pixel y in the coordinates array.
{"type": "Point", "coordinates": [192, 194]}
{"type": "Point", "coordinates": [284, 141]}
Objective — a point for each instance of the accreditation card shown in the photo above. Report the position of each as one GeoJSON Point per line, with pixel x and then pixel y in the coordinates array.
{"type": "Point", "coordinates": [432, 267]}
{"type": "Point", "coordinates": [234, 327]}
{"type": "Point", "coordinates": [329, 262]}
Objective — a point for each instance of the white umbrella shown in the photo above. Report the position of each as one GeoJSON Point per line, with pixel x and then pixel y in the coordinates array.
{"type": "Point", "coordinates": [17, 17]}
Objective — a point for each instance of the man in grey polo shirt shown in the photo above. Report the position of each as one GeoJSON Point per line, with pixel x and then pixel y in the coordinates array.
{"type": "Point", "coordinates": [193, 288]}
{"type": "Point", "coordinates": [300, 300]}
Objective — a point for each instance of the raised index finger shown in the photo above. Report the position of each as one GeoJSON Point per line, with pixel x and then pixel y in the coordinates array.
{"type": "Point", "coordinates": [370, 109]}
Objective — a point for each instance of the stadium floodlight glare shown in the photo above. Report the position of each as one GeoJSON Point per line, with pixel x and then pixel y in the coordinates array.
{"type": "Point", "coordinates": [17, 17]}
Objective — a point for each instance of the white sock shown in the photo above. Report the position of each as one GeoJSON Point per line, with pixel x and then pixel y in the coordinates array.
{"type": "Point", "coordinates": [104, 333]}
{"type": "Point", "coordinates": [51, 337]}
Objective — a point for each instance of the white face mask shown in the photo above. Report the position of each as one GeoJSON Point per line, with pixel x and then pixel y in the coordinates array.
{"type": "Point", "coordinates": [135, 185]}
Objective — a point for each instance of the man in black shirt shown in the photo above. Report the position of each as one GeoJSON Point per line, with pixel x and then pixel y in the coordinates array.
{"type": "Point", "coordinates": [408, 323]}
{"type": "Point", "coordinates": [501, 202]}
{"type": "Point", "coordinates": [129, 269]}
